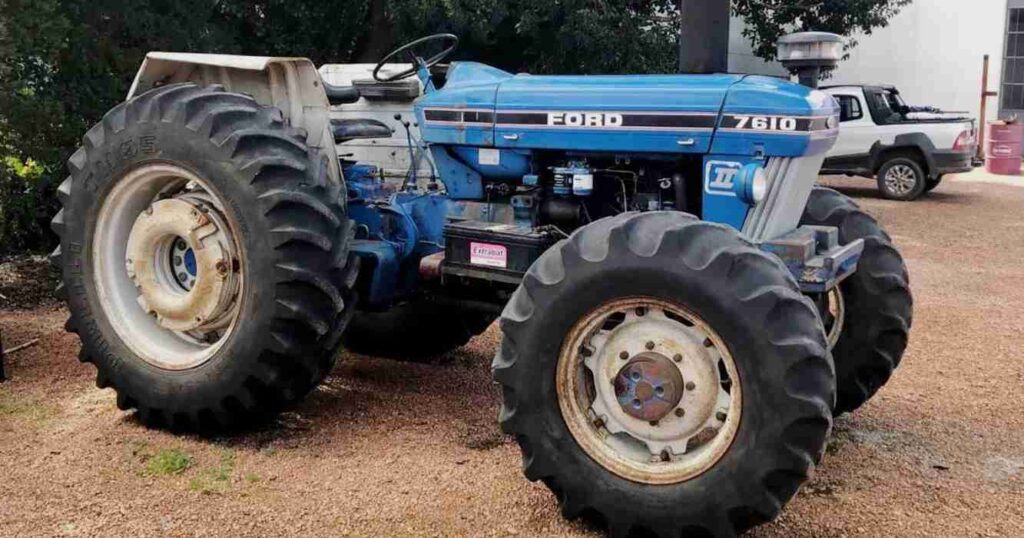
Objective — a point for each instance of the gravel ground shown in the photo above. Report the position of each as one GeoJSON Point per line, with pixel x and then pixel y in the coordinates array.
{"type": "Point", "coordinates": [385, 448]}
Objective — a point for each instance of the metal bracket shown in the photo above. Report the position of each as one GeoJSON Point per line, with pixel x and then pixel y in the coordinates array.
{"type": "Point", "coordinates": [815, 257]}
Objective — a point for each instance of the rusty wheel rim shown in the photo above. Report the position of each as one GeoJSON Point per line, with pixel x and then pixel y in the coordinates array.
{"type": "Point", "coordinates": [614, 377]}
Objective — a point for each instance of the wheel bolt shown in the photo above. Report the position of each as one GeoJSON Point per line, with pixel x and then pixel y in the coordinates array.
{"type": "Point", "coordinates": [653, 423]}
{"type": "Point", "coordinates": [677, 357]}
{"type": "Point", "coordinates": [624, 355]}
{"type": "Point", "coordinates": [690, 385]}
{"type": "Point", "coordinates": [708, 342]}
{"type": "Point", "coordinates": [680, 411]}
{"type": "Point", "coordinates": [721, 416]}
{"type": "Point", "coordinates": [640, 311]}
{"type": "Point", "coordinates": [598, 423]}
{"type": "Point", "coordinates": [650, 345]}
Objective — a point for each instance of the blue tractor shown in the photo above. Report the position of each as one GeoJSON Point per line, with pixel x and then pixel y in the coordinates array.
{"type": "Point", "coordinates": [683, 311]}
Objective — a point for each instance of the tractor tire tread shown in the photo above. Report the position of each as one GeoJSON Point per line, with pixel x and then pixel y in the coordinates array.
{"type": "Point", "coordinates": [307, 214]}
{"type": "Point", "coordinates": [757, 281]}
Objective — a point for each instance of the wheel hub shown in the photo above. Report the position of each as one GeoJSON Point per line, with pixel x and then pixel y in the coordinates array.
{"type": "Point", "coordinates": [647, 389]}
{"type": "Point", "coordinates": [649, 386]}
{"type": "Point", "coordinates": [181, 259]}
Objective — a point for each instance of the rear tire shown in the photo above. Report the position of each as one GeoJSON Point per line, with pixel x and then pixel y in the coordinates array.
{"type": "Point", "coordinates": [901, 178]}
{"type": "Point", "coordinates": [286, 217]}
{"type": "Point", "coordinates": [415, 331]}
{"type": "Point", "coordinates": [877, 301]}
{"type": "Point", "coordinates": [755, 314]}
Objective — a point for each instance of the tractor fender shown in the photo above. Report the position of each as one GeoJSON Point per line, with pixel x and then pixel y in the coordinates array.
{"type": "Point", "coordinates": [292, 85]}
{"type": "Point", "coordinates": [913, 142]}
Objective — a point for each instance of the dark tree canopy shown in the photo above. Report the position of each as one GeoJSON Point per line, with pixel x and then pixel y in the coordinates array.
{"type": "Point", "coordinates": [64, 63]}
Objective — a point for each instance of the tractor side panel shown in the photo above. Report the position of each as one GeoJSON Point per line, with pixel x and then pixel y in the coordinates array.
{"type": "Point", "coordinates": [643, 114]}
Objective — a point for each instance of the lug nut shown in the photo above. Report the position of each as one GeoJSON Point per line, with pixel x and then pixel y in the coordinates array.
{"type": "Point", "coordinates": [598, 423]}
{"type": "Point", "coordinates": [650, 345]}
{"type": "Point", "coordinates": [721, 416]}
{"type": "Point", "coordinates": [222, 267]}
{"type": "Point", "coordinates": [653, 423]}
{"type": "Point", "coordinates": [690, 385]}
{"type": "Point", "coordinates": [708, 342]}
{"type": "Point", "coordinates": [624, 355]}
{"type": "Point", "coordinates": [677, 357]}
{"type": "Point", "coordinates": [680, 411]}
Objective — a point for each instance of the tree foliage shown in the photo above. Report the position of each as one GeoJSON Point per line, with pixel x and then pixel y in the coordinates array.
{"type": "Point", "coordinates": [768, 20]}
{"type": "Point", "coordinates": [64, 63]}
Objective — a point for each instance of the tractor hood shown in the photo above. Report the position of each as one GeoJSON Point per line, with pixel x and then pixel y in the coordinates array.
{"type": "Point", "coordinates": [730, 114]}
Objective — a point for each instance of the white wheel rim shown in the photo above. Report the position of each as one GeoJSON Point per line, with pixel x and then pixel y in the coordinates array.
{"type": "Point", "coordinates": [676, 446]}
{"type": "Point", "coordinates": [126, 302]}
{"type": "Point", "coordinates": [900, 179]}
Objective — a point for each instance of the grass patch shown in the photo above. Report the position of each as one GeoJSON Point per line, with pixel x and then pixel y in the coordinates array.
{"type": "Point", "coordinates": [216, 478]}
{"type": "Point", "coordinates": [25, 410]}
{"type": "Point", "coordinates": [168, 462]}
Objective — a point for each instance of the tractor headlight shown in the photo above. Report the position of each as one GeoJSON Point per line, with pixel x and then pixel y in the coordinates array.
{"type": "Point", "coordinates": [752, 184]}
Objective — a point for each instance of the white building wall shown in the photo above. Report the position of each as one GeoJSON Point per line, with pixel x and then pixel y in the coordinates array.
{"type": "Point", "coordinates": [932, 51]}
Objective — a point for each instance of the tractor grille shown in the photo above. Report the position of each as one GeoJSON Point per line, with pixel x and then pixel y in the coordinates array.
{"type": "Point", "coordinates": [790, 181]}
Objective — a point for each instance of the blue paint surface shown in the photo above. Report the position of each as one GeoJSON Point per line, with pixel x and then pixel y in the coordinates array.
{"type": "Point", "coordinates": [190, 262]}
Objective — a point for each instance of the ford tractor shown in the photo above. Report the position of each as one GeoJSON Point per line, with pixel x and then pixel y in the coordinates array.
{"type": "Point", "coordinates": [682, 310]}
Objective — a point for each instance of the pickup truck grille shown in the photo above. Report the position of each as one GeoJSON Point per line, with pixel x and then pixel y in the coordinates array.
{"type": "Point", "coordinates": [790, 180]}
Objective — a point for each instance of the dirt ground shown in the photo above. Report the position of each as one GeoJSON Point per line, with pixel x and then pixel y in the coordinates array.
{"type": "Point", "coordinates": [385, 448]}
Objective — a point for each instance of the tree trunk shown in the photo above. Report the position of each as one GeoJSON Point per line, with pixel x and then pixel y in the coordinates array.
{"type": "Point", "coordinates": [379, 38]}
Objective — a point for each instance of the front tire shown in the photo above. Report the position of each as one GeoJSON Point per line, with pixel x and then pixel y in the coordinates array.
{"type": "Point", "coordinates": [876, 301]}
{"type": "Point", "coordinates": [685, 278]}
{"type": "Point", "coordinates": [163, 182]}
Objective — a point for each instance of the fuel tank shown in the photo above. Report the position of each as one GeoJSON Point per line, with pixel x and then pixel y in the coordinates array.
{"type": "Point", "coordinates": [483, 106]}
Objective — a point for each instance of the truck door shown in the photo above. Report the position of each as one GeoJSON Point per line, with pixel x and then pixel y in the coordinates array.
{"type": "Point", "coordinates": [857, 131]}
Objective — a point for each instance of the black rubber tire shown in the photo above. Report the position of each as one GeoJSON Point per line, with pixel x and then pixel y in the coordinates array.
{"type": "Point", "coordinates": [879, 305]}
{"type": "Point", "coordinates": [748, 297]}
{"type": "Point", "coordinates": [931, 184]}
{"type": "Point", "coordinates": [920, 179]}
{"type": "Point", "coordinates": [291, 222]}
{"type": "Point", "coordinates": [415, 331]}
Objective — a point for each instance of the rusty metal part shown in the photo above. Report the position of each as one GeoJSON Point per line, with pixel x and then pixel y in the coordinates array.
{"type": "Point", "coordinates": [660, 446]}
{"type": "Point", "coordinates": [430, 266]}
{"type": "Point", "coordinates": [649, 386]}
{"type": "Point", "coordinates": [150, 243]}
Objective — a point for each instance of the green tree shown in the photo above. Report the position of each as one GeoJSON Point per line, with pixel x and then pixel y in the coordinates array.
{"type": "Point", "coordinates": [768, 20]}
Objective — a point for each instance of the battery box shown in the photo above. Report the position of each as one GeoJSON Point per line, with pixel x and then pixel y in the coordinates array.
{"type": "Point", "coordinates": [493, 251]}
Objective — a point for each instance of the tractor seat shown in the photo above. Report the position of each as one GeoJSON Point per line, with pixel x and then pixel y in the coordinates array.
{"type": "Point", "coordinates": [358, 128]}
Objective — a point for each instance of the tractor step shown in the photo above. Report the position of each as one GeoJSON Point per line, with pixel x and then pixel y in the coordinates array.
{"type": "Point", "coordinates": [815, 257]}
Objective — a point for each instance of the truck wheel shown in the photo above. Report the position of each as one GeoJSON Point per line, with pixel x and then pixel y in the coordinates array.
{"type": "Point", "coordinates": [664, 376]}
{"type": "Point", "coordinates": [869, 318]}
{"type": "Point", "coordinates": [930, 184]}
{"type": "Point", "coordinates": [204, 252]}
{"type": "Point", "coordinates": [901, 178]}
{"type": "Point", "coordinates": [413, 331]}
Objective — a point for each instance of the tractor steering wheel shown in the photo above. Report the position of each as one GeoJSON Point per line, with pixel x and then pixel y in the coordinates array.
{"type": "Point", "coordinates": [417, 62]}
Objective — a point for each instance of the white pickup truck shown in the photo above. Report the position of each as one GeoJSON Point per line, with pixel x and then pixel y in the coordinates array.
{"type": "Point", "coordinates": [907, 149]}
